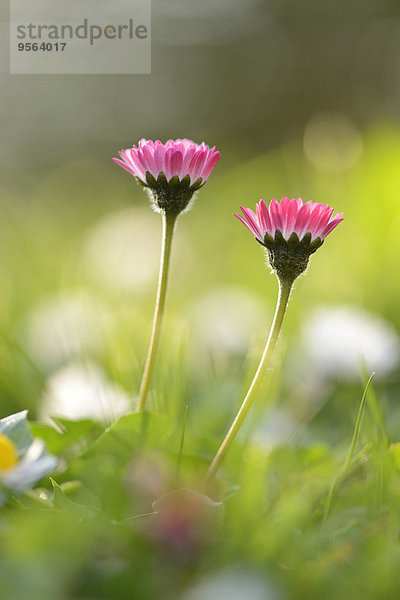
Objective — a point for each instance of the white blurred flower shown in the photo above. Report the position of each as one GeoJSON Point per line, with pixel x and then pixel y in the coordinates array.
{"type": "Point", "coordinates": [275, 429]}
{"type": "Point", "coordinates": [23, 460]}
{"type": "Point", "coordinates": [225, 319]}
{"type": "Point", "coordinates": [336, 340]}
{"type": "Point", "coordinates": [34, 464]}
{"type": "Point", "coordinates": [62, 327]}
{"type": "Point", "coordinates": [235, 583]}
{"type": "Point", "coordinates": [120, 251]}
{"type": "Point", "coordinates": [83, 392]}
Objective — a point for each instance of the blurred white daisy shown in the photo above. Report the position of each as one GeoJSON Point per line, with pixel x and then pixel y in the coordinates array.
{"type": "Point", "coordinates": [225, 319]}
{"type": "Point", "coordinates": [120, 252]}
{"type": "Point", "coordinates": [82, 392]}
{"type": "Point", "coordinates": [62, 327]}
{"type": "Point", "coordinates": [336, 340]}
{"type": "Point", "coordinates": [23, 459]}
{"type": "Point", "coordinates": [234, 582]}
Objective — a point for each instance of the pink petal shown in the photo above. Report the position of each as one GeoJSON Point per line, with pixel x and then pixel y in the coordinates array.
{"type": "Point", "coordinates": [179, 157]}
{"type": "Point", "coordinates": [275, 216]}
{"type": "Point", "coordinates": [331, 226]}
{"type": "Point", "coordinates": [249, 227]}
{"type": "Point", "coordinates": [136, 161]}
{"type": "Point", "coordinates": [190, 151]}
{"type": "Point", "coordinates": [147, 155]}
{"type": "Point", "coordinates": [168, 156]}
{"type": "Point", "coordinates": [159, 158]}
{"type": "Point", "coordinates": [290, 218]}
{"type": "Point", "coordinates": [302, 220]}
{"type": "Point", "coordinates": [326, 214]}
{"type": "Point", "coordinates": [315, 217]}
{"type": "Point", "coordinates": [252, 221]}
{"type": "Point", "coordinates": [176, 163]}
{"type": "Point", "coordinates": [122, 164]}
{"type": "Point", "coordinates": [210, 165]}
{"type": "Point", "coordinates": [198, 172]}
{"type": "Point", "coordinates": [187, 143]}
{"type": "Point", "coordinates": [261, 217]}
{"type": "Point", "coordinates": [266, 217]}
{"type": "Point", "coordinates": [196, 164]}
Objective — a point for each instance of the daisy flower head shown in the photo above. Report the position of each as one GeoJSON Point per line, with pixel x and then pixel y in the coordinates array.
{"type": "Point", "coordinates": [172, 172]}
{"type": "Point", "coordinates": [24, 460]}
{"type": "Point", "coordinates": [291, 230]}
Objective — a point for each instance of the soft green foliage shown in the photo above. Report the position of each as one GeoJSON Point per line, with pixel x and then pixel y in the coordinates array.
{"type": "Point", "coordinates": [295, 516]}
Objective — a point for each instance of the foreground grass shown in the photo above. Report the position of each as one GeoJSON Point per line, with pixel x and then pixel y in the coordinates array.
{"type": "Point", "coordinates": [98, 533]}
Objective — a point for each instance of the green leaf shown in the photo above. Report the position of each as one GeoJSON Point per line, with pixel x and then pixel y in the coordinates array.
{"type": "Point", "coordinates": [54, 439]}
{"type": "Point", "coordinates": [132, 431]}
{"type": "Point", "coordinates": [62, 502]}
{"type": "Point", "coordinates": [71, 436]}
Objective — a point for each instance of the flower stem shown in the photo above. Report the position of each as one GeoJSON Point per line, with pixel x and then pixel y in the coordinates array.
{"type": "Point", "coordinates": [285, 288]}
{"type": "Point", "coordinates": [169, 220]}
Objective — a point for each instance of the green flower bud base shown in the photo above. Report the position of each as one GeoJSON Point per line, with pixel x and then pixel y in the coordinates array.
{"type": "Point", "coordinates": [171, 196]}
{"type": "Point", "coordinates": [289, 259]}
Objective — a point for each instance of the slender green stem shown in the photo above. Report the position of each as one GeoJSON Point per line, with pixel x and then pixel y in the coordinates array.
{"type": "Point", "coordinates": [178, 464]}
{"type": "Point", "coordinates": [357, 427]}
{"type": "Point", "coordinates": [168, 231]}
{"type": "Point", "coordinates": [347, 464]}
{"type": "Point", "coordinates": [285, 288]}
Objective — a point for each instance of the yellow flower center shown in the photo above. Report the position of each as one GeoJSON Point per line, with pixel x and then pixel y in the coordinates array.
{"type": "Point", "coordinates": [8, 453]}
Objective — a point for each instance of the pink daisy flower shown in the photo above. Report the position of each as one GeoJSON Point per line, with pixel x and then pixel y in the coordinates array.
{"type": "Point", "coordinates": [172, 171]}
{"type": "Point", "coordinates": [175, 158]}
{"type": "Point", "coordinates": [291, 231]}
{"type": "Point", "coordinates": [288, 217]}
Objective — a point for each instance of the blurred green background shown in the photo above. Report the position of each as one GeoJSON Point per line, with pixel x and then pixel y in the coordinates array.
{"type": "Point", "coordinates": [302, 99]}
